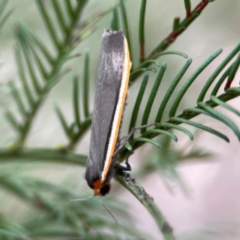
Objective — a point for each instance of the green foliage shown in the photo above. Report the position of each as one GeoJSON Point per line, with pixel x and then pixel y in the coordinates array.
{"type": "Point", "coordinates": [4, 12]}
{"type": "Point", "coordinates": [40, 68]}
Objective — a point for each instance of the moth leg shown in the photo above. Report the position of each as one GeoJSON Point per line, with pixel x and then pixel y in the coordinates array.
{"type": "Point", "coordinates": [129, 136]}
{"type": "Point", "coordinates": [127, 164]}
{"type": "Point", "coordinates": [124, 168]}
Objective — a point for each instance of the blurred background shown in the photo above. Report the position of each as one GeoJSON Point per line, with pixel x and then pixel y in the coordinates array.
{"type": "Point", "coordinates": [199, 194]}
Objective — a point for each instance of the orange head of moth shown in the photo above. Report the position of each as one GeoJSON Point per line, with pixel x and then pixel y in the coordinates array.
{"type": "Point", "coordinates": [101, 188]}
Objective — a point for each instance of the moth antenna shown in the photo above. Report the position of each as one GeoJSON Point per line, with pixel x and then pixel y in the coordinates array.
{"type": "Point", "coordinates": [70, 238]}
{"type": "Point", "coordinates": [100, 200]}
{"type": "Point", "coordinates": [76, 200]}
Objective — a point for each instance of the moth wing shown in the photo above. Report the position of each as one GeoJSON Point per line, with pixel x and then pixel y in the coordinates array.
{"type": "Point", "coordinates": [106, 98]}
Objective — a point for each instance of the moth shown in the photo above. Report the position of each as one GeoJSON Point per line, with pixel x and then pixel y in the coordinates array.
{"type": "Point", "coordinates": [110, 96]}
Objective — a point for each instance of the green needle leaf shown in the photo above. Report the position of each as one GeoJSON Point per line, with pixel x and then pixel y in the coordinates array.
{"type": "Point", "coordinates": [220, 81]}
{"type": "Point", "coordinates": [171, 89]}
{"type": "Point", "coordinates": [190, 81]}
{"type": "Point", "coordinates": [25, 37]}
{"type": "Point", "coordinates": [173, 126]}
{"type": "Point", "coordinates": [9, 234]}
{"type": "Point", "coordinates": [128, 147]}
{"type": "Point", "coordinates": [69, 8]}
{"type": "Point", "coordinates": [153, 95]}
{"type": "Point", "coordinates": [3, 6]}
{"type": "Point", "coordinates": [152, 61]}
{"type": "Point", "coordinates": [30, 67]}
{"type": "Point", "coordinates": [141, 30]}
{"type": "Point", "coordinates": [214, 113]}
{"type": "Point", "coordinates": [75, 101]}
{"type": "Point", "coordinates": [196, 110]}
{"type": "Point", "coordinates": [17, 98]}
{"type": "Point", "coordinates": [125, 25]}
{"type": "Point", "coordinates": [63, 122]}
{"type": "Point", "coordinates": [142, 70]}
{"type": "Point", "coordinates": [23, 78]}
{"type": "Point", "coordinates": [59, 15]}
{"type": "Point", "coordinates": [200, 126]}
{"type": "Point", "coordinates": [48, 23]}
{"type": "Point", "coordinates": [137, 103]}
{"type": "Point", "coordinates": [115, 22]}
{"type": "Point", "coordinates": [39, 63]}
{"type": "Point", "coordinates": [141, 22]}
{"type": "Point", "coordinates": [159, 131]}
{"type": "Point", "coordinates": [187, 4]}
{"type": "Point", "coordinates": [10, 117]}
{"type": "Point", "coordinates": [176, 23]}
{"type": "Point", "coordinates": [5, 18]}
{"type": "Point", "coordinates": [225, 105]}
{"type": "Point", "coordinates": [233, 90]}
{"type": "Point", "coordinates": [234, 69]}
{"type": "Point", "coordinates": [43, 49]}
{"type": "Point", "coordinates": [216, 72]}
{"type": "Point", "coordinates": [86, 85]}
{"type": "Point", "coordinates": [171, 53]}
{"type": "Point", "coordinates": [146, 140]}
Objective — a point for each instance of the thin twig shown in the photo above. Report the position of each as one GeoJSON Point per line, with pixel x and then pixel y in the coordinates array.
{"type": "Point", "coordinates": [166, 42]}
{"type": "Point", "coordinates": [44, 155]}
{"type": "Point", "coordinates": [138, 191]}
